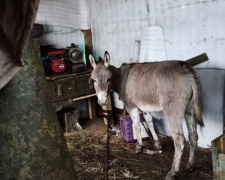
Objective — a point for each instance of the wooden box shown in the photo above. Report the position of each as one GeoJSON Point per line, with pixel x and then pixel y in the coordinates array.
{"type": "Point", "coordinates": [70, 87]}
{"type": "Point", "coordinates": [218, 157]}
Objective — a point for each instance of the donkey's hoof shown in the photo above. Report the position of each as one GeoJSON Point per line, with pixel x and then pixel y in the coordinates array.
{"type": "Point", "coordinates": [138, 149]}
{"type": "Point", "coordinates": [151, 152]}
{"type": "Point", "coordinates": [169, 176]}
{"type": "Point", "coordinates": [190, 167]}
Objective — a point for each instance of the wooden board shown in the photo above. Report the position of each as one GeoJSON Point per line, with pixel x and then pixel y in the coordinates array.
{"type": "Point", "coordinates": [88, 45]}
{"type": "Point", "coordinates": [92, 107]}
{"type": "Point", "coordinates": [71, 87]}
{"type": "Point", "coordinates": [218, 153]}
{"type": "Point", "coordinates": [198, 59]}
{"type": "Point", "coordinates": [66, 75]}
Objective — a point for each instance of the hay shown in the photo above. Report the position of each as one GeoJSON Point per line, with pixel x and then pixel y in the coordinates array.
{"type": "Point", "coordinates": [88, 151]}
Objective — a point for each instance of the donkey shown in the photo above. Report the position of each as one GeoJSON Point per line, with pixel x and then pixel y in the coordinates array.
{"type": "Point", "coordinates": [169, 86]}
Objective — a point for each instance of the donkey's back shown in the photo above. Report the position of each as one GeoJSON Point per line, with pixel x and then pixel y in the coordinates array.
{"type": "Point", "coordinates": [167, 86]}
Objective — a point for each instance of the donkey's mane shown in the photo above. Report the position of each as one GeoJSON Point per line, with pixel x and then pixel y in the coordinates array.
{"type": "Point", "coordinates": [100, 60]}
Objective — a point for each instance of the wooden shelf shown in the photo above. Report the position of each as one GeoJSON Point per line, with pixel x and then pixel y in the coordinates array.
{"type": "Point", "coordinates": [84, 97]}
{"type": "Point", "coordinates": [61, 76]}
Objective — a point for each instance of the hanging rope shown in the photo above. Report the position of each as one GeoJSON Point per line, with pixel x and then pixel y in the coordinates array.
{"type": "Point", "coordinates": [108, 117]}
{"type": "Point", "coordinates": [107, 150]}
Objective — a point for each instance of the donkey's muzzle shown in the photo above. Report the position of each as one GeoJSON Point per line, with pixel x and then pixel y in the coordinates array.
{"type": "Point", "coordinates": [102, 98]}
{"type": "Point", "coordinates": [103, 103]}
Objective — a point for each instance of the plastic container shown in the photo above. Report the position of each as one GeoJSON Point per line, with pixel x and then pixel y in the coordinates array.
{"type": "Point", "coordinates": [127, 129]}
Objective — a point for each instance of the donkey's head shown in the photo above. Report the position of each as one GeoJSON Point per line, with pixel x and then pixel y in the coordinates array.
{"type": "Point", "coordinates": [102, 77]}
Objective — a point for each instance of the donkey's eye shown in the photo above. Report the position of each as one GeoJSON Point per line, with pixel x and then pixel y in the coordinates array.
{"type": "Point", "coordinates": [94, 80]}
{"type": "Point", "coordinates": [108, 80]}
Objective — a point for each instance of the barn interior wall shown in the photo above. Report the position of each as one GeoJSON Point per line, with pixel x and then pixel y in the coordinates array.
{"type": "Point", "coordinates": [150, 30]}
{"type": "Point", "coordinates": [190, 28]}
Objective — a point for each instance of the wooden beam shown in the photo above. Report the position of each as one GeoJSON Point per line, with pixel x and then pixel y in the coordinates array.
{"type": "Point", "coordinates": [84, 97]}
{"type": "Point", "coordinates": [92, 107]}
{"type": "Point", "coordinates": [198, 59]}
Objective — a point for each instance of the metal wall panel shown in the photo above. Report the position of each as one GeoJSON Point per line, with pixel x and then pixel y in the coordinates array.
{"type": "Point", "coordinates": [152, 45]}
{"type": "Point", "coordinates": [115, 26]}
{"type": "Point", "coordinates": [62, 40]}
{"type": "Point", "coordinates": [191, 28]}
{"type": "Point", "coordinates": [66, 13]}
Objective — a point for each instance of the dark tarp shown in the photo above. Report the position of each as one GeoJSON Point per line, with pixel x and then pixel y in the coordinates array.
{"type": "Point", "coordinates": [32, 145]}
{"type": "Point", "coordinates": [16, 21]}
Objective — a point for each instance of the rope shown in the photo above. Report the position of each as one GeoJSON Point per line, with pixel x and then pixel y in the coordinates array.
{"type": "Point", "coordinates": [108, 117]}
{"type": "Point", "coordinates": [107, 149]}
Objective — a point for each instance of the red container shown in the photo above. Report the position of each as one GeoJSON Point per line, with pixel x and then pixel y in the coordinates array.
{"type": "Point", "coordinates": [58, 66]}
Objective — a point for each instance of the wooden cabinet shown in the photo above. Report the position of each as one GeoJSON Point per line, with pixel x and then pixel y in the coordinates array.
{"type": "Point", "coordinates": [76, 87]}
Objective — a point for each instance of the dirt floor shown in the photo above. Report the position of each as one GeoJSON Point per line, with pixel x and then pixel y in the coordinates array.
{"type": "Point", "coordinates": [88, 151]}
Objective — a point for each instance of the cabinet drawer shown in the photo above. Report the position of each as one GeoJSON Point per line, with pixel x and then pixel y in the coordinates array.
{"type": "Point", "coordinates": [71, 87]}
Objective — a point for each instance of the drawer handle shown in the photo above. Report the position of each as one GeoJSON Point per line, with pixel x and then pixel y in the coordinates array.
{"type": "Point", "coordinates": [59, 89]}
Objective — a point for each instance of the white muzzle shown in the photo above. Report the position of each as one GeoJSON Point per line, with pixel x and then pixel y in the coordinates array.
{"type": "Point", "coordinates": [102, 98]}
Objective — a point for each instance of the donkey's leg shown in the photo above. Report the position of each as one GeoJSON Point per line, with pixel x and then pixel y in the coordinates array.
{"type": "Point", "coordinates": [192, 135]}
{"type": "Point", "coordinates": [150, 124]}
{"type": "Point", "coordinates": [134, 114]}
{"type": "Point", "coordinates": [175, 125]}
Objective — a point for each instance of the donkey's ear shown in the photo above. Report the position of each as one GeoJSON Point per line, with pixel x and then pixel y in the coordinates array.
{"type": "Point", "coordinates": [92, 61]}
{"type": "Point", "coordinates": [106, 59]}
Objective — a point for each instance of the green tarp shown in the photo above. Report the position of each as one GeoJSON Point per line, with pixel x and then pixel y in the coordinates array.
{"type": "Point", "coordinates": [32, 145]}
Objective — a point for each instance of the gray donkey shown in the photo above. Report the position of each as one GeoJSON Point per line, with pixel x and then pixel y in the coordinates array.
{"type": "Point", "coordinates": [169, 86]}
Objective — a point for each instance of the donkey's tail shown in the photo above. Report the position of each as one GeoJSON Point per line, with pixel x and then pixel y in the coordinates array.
{"type": "Point", "coordinates": [197, 101]}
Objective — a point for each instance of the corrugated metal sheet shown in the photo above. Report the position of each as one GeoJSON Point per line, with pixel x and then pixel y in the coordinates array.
{"type": "Point", "coordinates": [152, 45]}
{"type": "Point", "coordinates": [58, 29]}
{"type": "Point", "coordinates": [62, 40]}
{"type": "Point", "coordinates": [116, 24]}
{"type": "Point", "coordinates": [75, 14]}
{"type": "Point", "coordinates": [191, 28]}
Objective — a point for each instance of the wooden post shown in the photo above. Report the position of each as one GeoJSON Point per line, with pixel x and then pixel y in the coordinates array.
{"type": "Point", "coordinates": [88, 45]}
{"type": "Point", "coordinates": [91, 108]}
